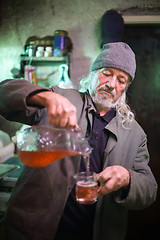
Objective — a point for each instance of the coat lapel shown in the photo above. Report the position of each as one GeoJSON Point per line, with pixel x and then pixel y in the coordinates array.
{"type": "Point", "coordinates": [112, 128]}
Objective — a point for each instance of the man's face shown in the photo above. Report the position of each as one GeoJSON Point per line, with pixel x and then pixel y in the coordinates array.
{"type": "Point", "coordinates": [112, 83]}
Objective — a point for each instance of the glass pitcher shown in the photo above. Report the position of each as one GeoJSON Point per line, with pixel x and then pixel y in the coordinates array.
{"type": "Point", "coordinates": [39, 146]}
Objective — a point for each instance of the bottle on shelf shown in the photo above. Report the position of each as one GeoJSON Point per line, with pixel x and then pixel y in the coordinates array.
{"type": "Point", "coordinates": [64, 80]}
{"type": "Point", "coordinates": [40, 51]}
{"type": "Point", "coordinates": [47, 43]}
{"type": "Point", "coordinates": [48, 51]}
{"type": "Point", "coordinates": [31, 46]}
{"type": "Point", "coordinates": [31, 49]}
{"type": "Point", "coordinates": [30, 74]}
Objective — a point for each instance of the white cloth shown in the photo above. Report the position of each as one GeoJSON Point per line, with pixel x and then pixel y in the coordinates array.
{"type": "Point", "coordinates": [6, 146]}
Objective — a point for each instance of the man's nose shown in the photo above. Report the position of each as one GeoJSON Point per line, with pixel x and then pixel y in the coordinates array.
{"type": "Point", "coordinates": [111, 83]}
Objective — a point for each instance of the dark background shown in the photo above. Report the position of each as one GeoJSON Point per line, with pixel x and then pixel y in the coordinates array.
{"type": "Point", "coordinates": [144, 99]}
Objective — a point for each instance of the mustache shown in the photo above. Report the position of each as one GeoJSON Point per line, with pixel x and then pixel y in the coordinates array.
{"type": "Point", "coordinates": [107, 90]}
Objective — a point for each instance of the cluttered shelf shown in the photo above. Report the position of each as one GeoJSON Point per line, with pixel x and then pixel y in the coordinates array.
{"type": "Point", "coordinates": [46, 59]}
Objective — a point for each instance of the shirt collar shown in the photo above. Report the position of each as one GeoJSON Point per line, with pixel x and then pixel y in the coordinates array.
{"type": "Point", "coordinates": [109, 115]}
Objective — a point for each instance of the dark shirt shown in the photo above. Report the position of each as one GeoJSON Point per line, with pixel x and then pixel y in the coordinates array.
{"type": "Point", "coordinates": [77, 219]}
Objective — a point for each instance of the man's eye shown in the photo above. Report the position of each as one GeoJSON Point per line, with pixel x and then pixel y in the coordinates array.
{"type": "Point", "coordinates": [121, 81]}
{"type": "Point", "coordinates": [106, 73]}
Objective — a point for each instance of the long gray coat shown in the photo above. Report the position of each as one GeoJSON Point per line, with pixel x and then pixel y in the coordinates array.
{"type": "Point", "coordinates": [39, 197]}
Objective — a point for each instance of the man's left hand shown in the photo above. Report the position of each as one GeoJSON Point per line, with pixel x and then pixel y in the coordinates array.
{"type": "Point", "coordinates": [113, 178]}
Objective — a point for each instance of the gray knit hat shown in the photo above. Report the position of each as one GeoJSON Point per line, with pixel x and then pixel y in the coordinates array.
{"type": "Point", "coordinates": [117, 55]}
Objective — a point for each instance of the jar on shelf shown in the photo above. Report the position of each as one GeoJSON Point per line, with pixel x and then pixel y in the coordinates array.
{"type": "Point", "coordinates": [48, 51]}
{"type": "Point", "coordinates": [40, 51]}
{"type": "Point", "coordinates": [60, 43]}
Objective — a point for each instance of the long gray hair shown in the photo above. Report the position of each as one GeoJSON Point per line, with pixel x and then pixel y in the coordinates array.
{"type": "Point", "coordinates": [124, 113]}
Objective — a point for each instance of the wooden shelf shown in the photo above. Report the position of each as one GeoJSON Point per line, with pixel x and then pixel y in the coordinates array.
{"type": "Point", "coordinates": [45, 59]}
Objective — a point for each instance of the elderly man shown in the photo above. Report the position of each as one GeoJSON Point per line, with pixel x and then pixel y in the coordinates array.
{"type": "Point", "coordinates": [43, 204]}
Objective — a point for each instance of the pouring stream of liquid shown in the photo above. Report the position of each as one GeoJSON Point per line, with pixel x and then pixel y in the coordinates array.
{"type": "Point", "coordinates": [87, 161]}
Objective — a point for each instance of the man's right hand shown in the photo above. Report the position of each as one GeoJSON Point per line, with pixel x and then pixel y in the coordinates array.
{"type": "Point", "coordinates": [61, 113]}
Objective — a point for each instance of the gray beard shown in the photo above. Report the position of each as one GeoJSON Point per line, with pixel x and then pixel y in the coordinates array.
{"type": "Point", "coordinates": [103, 104]}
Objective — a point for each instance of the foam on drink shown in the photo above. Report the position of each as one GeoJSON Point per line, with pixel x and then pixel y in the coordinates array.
{"type": "Point", "coordinates": [86, 192]}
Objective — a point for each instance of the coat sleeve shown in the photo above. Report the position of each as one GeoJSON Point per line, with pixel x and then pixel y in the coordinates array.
{"type": "Point", "coordinates": [143, 186]}
{"type": "Point", "coordinates": [13, 94]}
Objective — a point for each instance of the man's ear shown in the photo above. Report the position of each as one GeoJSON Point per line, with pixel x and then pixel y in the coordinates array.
{"type": "Point", "coordinates": [128, 84]}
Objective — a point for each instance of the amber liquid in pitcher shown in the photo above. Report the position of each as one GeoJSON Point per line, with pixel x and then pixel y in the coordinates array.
{"type": "Point", "coordinates": [43, 158]}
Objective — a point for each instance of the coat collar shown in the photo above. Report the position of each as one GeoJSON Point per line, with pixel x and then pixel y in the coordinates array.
{"type": "Point", "coordinates": [111, 126]}
{"type": "Point", "coordinates": [89, 107]}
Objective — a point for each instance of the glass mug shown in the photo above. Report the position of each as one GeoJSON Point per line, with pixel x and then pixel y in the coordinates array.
{"type": "Point", "coordinates": [40, 145]}
{"type": "Point", "coordinates": [86, 187]}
